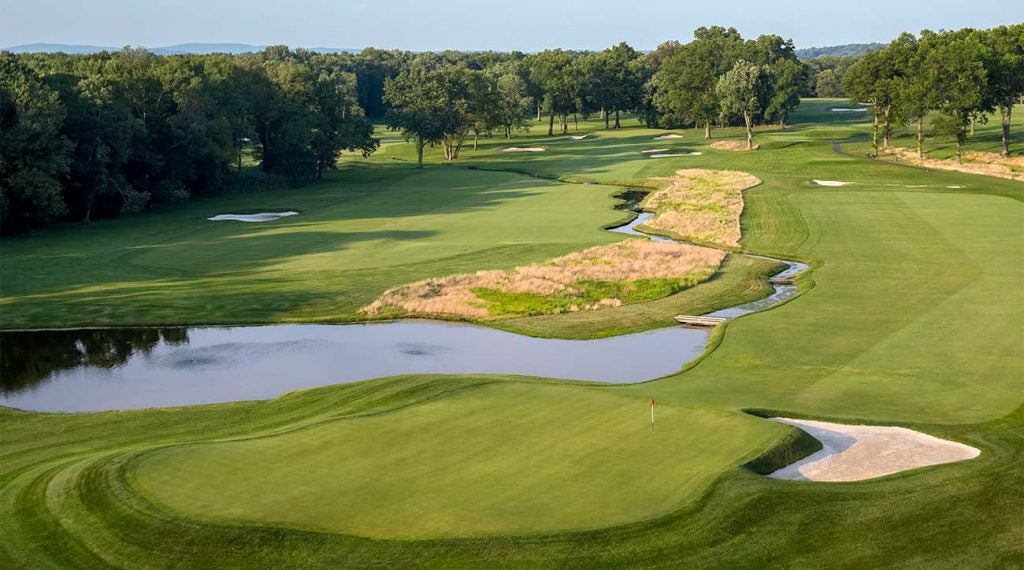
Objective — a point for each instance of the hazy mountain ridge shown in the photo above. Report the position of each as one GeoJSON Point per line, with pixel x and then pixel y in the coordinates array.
{"type": "Point", "coordinates": [844, 49]}
{"type": "Point", "coordinates": [188, 48]}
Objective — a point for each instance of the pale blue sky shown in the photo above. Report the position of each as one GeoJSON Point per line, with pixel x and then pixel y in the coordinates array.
{"type": "Point", "coordinates": [528, 25]}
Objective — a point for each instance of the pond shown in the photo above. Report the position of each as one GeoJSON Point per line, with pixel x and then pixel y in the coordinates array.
{"type": "Point", "coordinates": [106, 369]}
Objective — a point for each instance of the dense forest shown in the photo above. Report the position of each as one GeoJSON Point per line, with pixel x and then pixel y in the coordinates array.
{"type": "Point", "coordinates": [100, 135]}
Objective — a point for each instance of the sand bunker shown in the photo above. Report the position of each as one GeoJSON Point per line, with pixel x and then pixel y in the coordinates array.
{"type": "Point", "coordinates": [858, 452]}
{"type": "Point", "coordinates": [523, 149]}
{"type": "Point", "coordinates": [830, 182]}
{"type": "Point", "coordinates": [733, 146]}
{"type": "Point", "coordinates": [563, 278]}
{"type": "Point", "coordinates": [848, 110]}
{"type": "Point", "coordinates": [668, 136]}
{"type": "Point", "coordinates": [701, 205]}
{"type": "Point", "coordinates": [666, 155]}
{"type": "Point", "coordinates": [984, 163]}
{"type": "Point", "coordinates": [578, 137]}
{"type": "Point", "coordinates": [262, 217]}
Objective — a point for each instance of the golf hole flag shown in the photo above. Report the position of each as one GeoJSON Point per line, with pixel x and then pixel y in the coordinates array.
{"type": "Point", "coordinates": [652, 412]}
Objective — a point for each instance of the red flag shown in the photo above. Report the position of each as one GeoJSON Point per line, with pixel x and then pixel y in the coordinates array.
{"type": "Point", "coordinates": [652, 402]}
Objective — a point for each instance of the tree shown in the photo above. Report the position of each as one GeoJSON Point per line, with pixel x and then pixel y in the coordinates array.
{"type": "Point", "coordinates": [512, 103]}
{"type": "Point", "coordinates": [554, 72]}
{"type": "Point", "coordinates": [416, 108]}
{"type": "Point", "coordinates": [875, 79]}
{"type": "Point", "coordinates": [685, 84]}
{"type": "Point", "coordinates": [338, 122]}
{"type": "Point", "coordinates": [33, 153]}
{"type": "Point", "coordinates": [616, 80]}
{"type": "Point", "coordinates": [956, 73]}
{"type": "Point", "coordinates": [915, 93]}
{"type": "Point", "coordinates": [1004, 65]}
{"type": "Point", "coordinates": [738, 95]}
{"type": "Point", "coordinates": [787, 80]}
{"type": "Point", "coordinates": [828, 85]}
{"type": "Point", "coordinates": [101, 126]}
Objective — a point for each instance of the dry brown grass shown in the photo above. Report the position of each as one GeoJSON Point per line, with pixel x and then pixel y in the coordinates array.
{"type": "Point", "coordinates": [733, 145]}
{"type": "Point", "coordinates": [629, 260]}
{"type": "Point", "coordinates": [984, 163]}
{"type": "Point", "coordinates": [701, 205]}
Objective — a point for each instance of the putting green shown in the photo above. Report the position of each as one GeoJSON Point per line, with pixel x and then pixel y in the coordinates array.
{"type": "Point", "coordinates": [501, 459]}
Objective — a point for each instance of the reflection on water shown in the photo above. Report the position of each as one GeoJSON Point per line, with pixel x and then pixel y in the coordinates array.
{"type": "Point", "coordinates": [27, 358]}
{"type": "Point", "coordinates": [106, 369]}
{"type": "Point", "coordinates": [631, 198]}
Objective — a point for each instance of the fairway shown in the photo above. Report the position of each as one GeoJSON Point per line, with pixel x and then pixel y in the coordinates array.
{"type": "Point", "coordinates": [357, 234]}
{"type": "Point", "coordinates": [910, 316]}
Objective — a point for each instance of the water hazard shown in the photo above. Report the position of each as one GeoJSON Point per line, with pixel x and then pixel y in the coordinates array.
{"type": "Point", "coordinates": [129, 368]}
{"type": "Point", "coordinates": [105, 369]}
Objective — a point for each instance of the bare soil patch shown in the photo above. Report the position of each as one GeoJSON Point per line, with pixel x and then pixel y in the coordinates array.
{"type": "Point", "coordinates": [735, 146]}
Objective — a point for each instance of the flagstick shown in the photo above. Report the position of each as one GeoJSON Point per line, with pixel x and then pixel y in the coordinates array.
{"type": "Point", "coordinates": [652, 413]}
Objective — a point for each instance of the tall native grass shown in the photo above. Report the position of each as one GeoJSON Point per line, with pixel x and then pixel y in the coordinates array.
{"type": "Point", "coordinates": [700, 205]}
{"type": "Point", "coordinates": [974, 162]}
{"type": "Point", "coordinates": [630, 271]}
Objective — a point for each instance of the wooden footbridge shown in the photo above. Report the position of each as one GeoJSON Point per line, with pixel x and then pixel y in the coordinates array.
{"type": "Point", "coordinates": [699, 321]}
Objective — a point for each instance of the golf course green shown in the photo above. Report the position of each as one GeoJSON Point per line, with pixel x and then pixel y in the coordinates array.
{"type": "Point", "coordinates": [911, 315]}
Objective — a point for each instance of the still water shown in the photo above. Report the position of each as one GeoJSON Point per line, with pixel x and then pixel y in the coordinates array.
{"type": "Point", "coordinates": [107, 369]}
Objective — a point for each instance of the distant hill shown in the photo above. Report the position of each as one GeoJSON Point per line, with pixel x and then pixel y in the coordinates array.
{"type": "Point", "coordinates": [49, 48]}
{"type": "Point", "coordinates": [845, 49]}
{"type": "Point", "coordinates": [205, 48]}
{"type": "Point", "coordinates": [192, 48]}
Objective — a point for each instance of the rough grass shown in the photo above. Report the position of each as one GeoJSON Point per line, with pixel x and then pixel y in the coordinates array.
{"type": "Point", "coordinates": [602, 276]}
{"type": "Point", "coordinates": [974, 162]}
{"type": "Point", "coordinates": [701, 205]}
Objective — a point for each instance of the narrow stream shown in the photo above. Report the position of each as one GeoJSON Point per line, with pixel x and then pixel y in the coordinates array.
{"type": "Point", "coordinates": [85, 370]}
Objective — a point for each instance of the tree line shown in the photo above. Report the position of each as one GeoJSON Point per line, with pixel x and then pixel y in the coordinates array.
{"type": "Point", "coordinates": [100, 135]}
{"type": "Point", "coordinates": [111, 133]}
{"type": "Point", "coordinates": [960, 75]}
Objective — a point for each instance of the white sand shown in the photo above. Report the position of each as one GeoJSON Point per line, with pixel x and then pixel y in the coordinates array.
{"type": "Point", "coordinates": [523, 149]}
{"type": "Point", "coordinates": [262, 217]}
{"type": "Point", "coordinates": [577, 137]}
{"type": "Point", "coordinates": [858, 452]}
{"type": "Point", "coordinates": [847, 110]}
{"type": "Point", "coordinates": [668, 136]}
{"type": "Point", "coordinates": [676, 154]}
{"type": "Point", "coordinates": [830, 183]}
{"type": "Point", "coordinates": [655, 150]}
